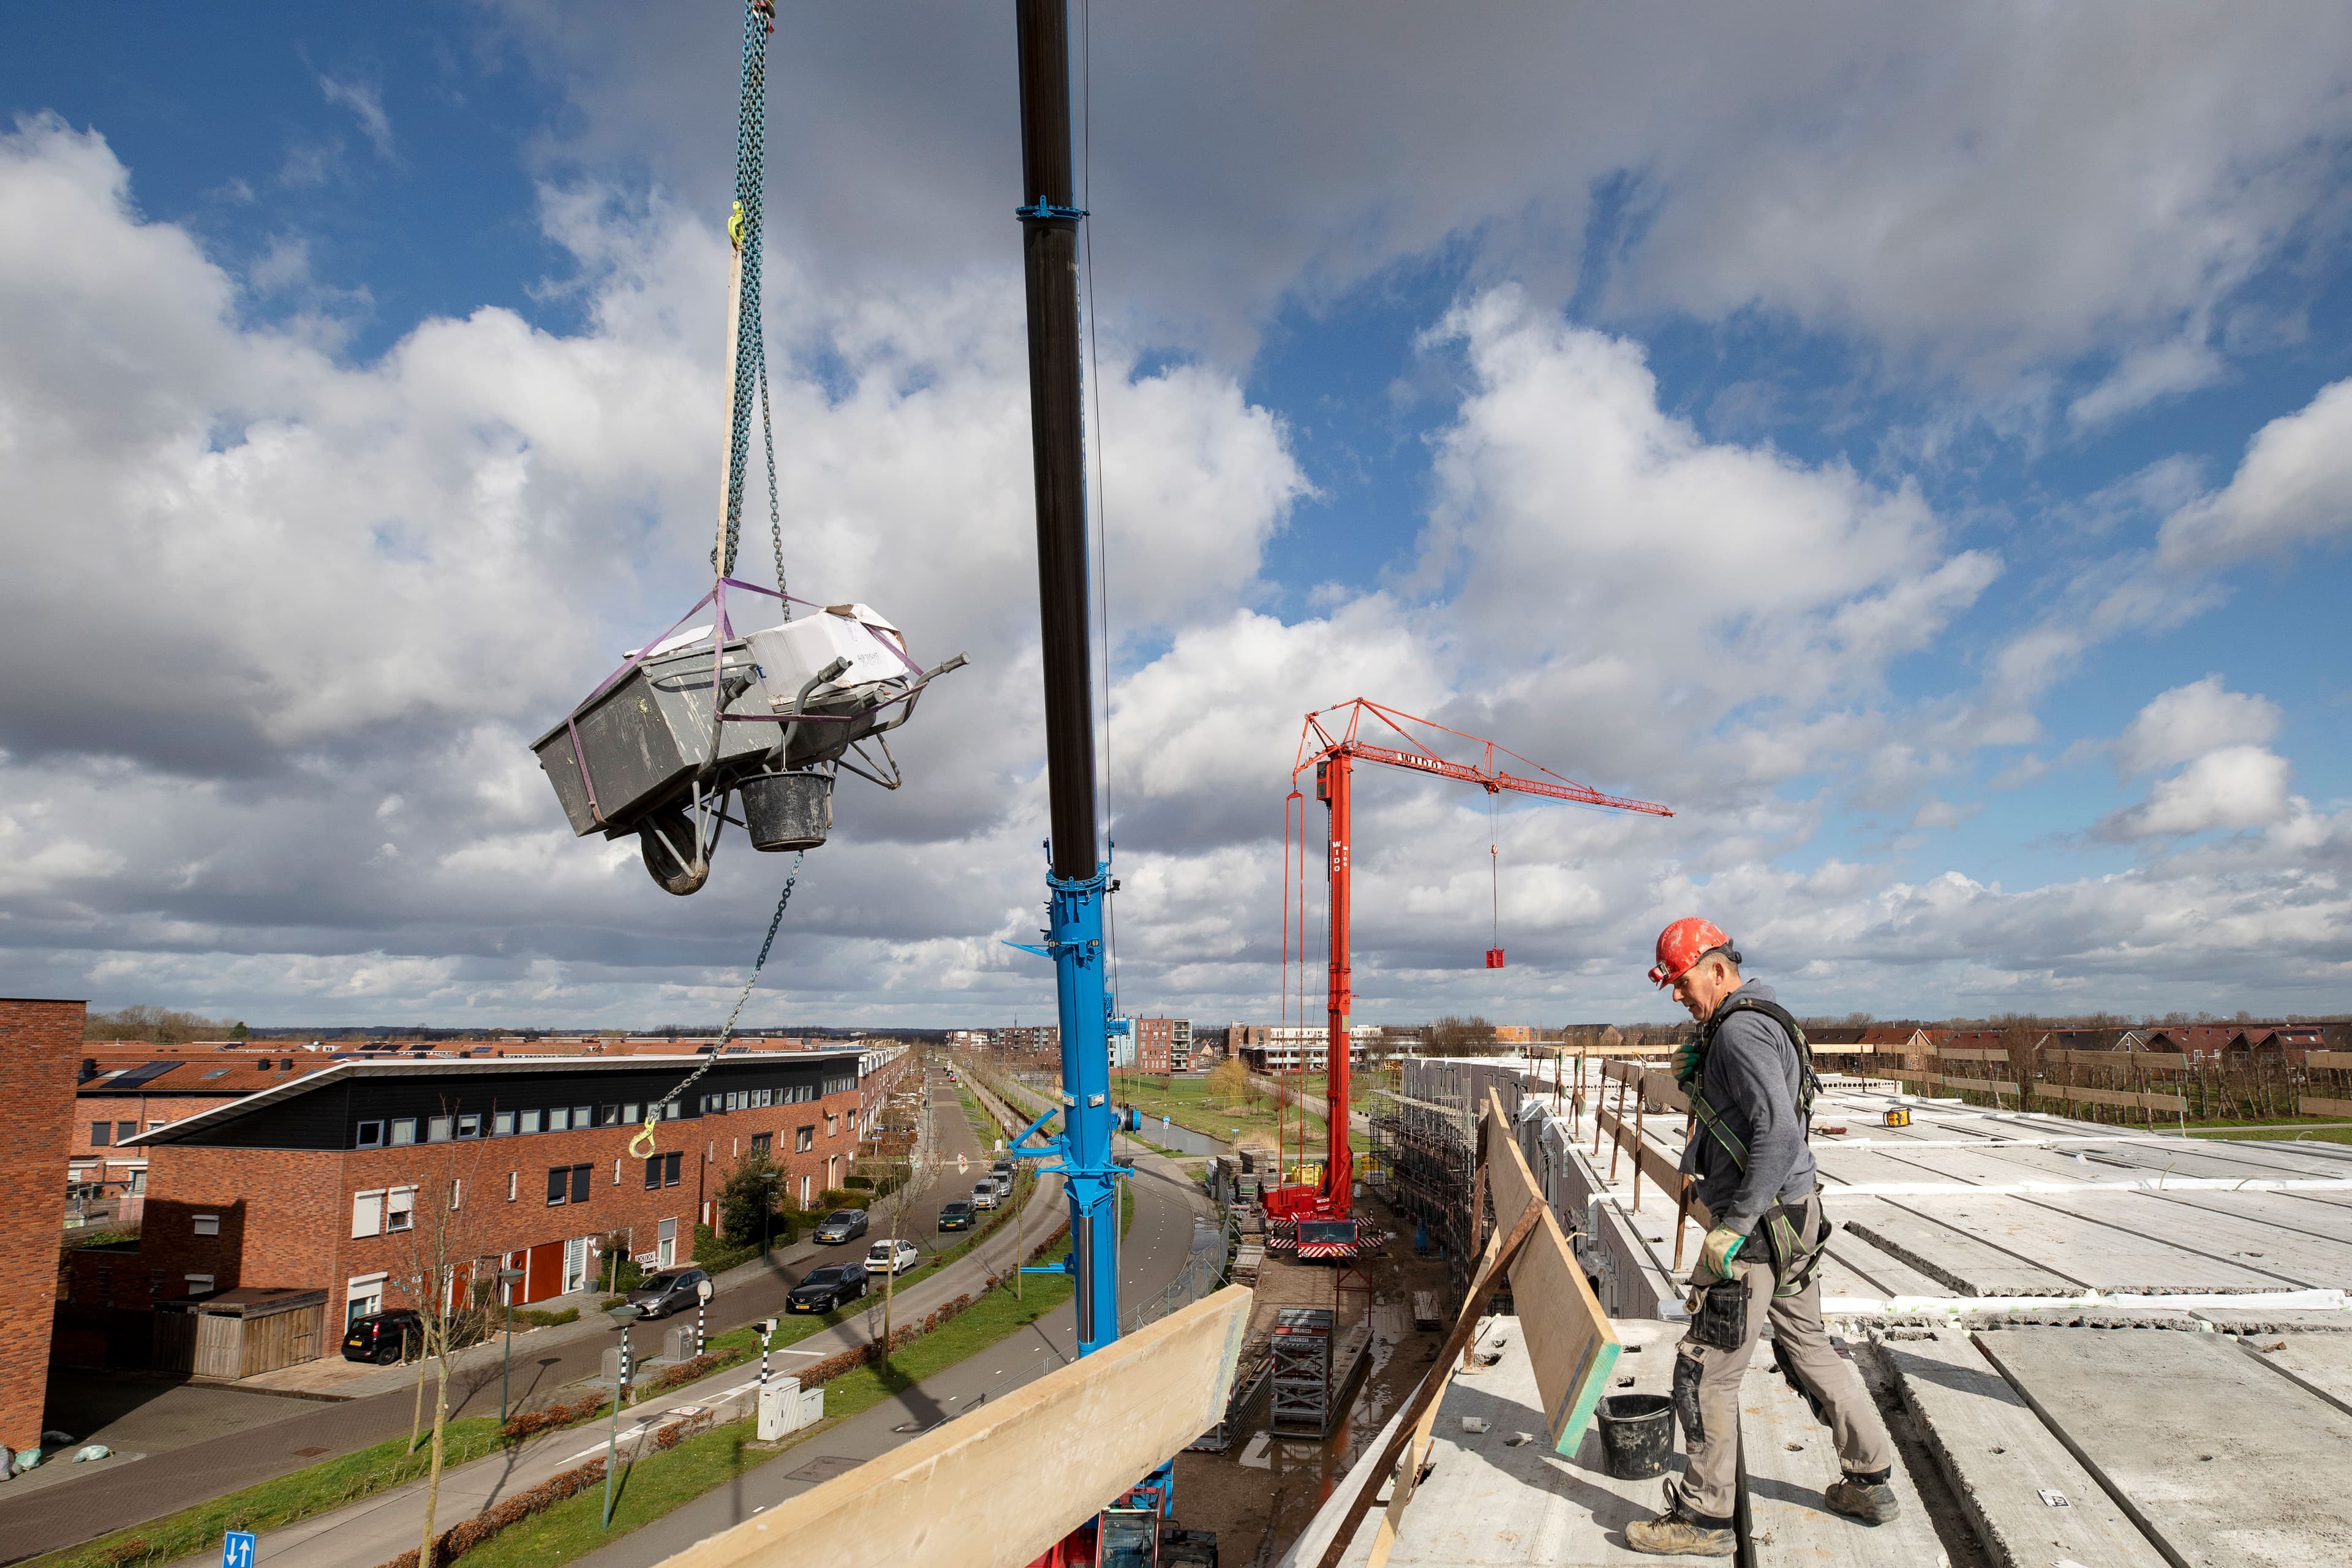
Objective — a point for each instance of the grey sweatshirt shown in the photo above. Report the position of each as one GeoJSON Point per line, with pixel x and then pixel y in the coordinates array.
{"type": "Point", "coordinates": [1751, 1080]}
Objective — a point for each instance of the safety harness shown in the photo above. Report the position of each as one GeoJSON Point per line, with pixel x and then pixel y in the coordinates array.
{"type": "Point", "coordinates": [1793, 1263]}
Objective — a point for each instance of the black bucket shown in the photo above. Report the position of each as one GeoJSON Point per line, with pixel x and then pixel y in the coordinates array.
{"type": "Point", "coordinates": [1637, 1433]}
{"type": "Point", "coordinates": [788, 811]}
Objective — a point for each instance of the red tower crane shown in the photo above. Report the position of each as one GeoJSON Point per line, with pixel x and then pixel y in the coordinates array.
{"type": "Point", "coordinates": [1331, 745]}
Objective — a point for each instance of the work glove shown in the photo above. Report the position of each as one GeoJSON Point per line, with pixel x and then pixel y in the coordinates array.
{"type": "Point", "coordinates": [1715, 1255]}
{"type": "Point", "coordinates": [1687, 1062]}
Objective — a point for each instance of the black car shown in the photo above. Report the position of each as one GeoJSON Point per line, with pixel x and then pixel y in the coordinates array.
{"type": "Point", "coordinates": [956, 1216]}
{"type": "Point", "coordinates": [669, 1291]}
{"type": "Point", "coordinates": [824, 1288]}
{"type": "Point", "coordinates": [382, 1337]}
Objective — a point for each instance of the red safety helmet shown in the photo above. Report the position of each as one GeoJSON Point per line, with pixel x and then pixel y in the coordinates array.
{"type": "Point", "coordinates": [1684, 943]}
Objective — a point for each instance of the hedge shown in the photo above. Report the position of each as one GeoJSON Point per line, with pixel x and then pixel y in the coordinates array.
{"type": "Point", "coordinates": [467, 1533]}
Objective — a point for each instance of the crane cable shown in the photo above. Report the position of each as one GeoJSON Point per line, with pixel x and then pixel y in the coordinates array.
{"type": "Point", "coordinates": [751, 368]}
{"type": "Point", "coordinates": [654, 1111]}
{"type": "Point", "coordinates": [1494, 870]}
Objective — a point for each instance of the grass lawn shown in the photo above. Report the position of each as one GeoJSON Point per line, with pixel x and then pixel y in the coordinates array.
{"type": "Point", "coordinates": [268, 1505]}
{"type": "Point", "coordinates": [664, 1481]}
{"type": "Point", "coordinates": [1188, 1102]}
{"type": "Point", "coordinates": [2318, 1131]}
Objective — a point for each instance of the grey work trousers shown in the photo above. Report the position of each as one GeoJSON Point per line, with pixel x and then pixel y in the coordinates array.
{"type": "Point", "coordinates": [1707, 1377]}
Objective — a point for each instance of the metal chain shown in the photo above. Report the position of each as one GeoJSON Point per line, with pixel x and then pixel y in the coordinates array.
{"type": "Point", "coordinates": [653, 1115]}
{"type": "Point", "coordinates": [775, 520]}
{"type": "Point", "coordinates": [750, 141]}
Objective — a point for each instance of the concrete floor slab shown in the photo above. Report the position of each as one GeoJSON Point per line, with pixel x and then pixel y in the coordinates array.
{"type": "Point", "coordinates": [2319, 1362]}
{"type": "Point", "coordinates": [2030, 1501]}
{"type": "Point", "coordinates": [2221, 1462]}
{"type": "Point", "coordinates": [1788, 1461]}
{"type": "Point", "coordinates": [1964, 1264]}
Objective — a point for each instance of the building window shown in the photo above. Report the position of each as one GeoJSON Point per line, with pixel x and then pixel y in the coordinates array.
{"type": "Point", "coordinates": [502, 1124]}
{"type": "Point", "coordinates": [404, 1131]}
{"type": "Point", "coordinates": [101, 1133]}
{"type": "Point", "coordinates": [366, 1298]}
{"type": "Point", "coordinates": [197, 1284]}
{"type": "Point", "coordinates": [762, 1145]}
{"type": "Point", "coordinates": [580, 1119]}
{"type": "Point", "coordinates": [560, 1119]}
{"type": "Point", "coordinates": [125, 1131]}
{"type": "Point", "coordinates": [662, 1171]}
{"type": "Point", "coordinates": [804, 1139]}
{"type": "Point", "coordinates": [457, 1192]}
{"type": "Point", "coordinates": [616, 1172]}
{"type": "Point", "coordinates": [400, 1209]}
{"type": "Point", "coordinates": [832, 1124]}
{"type": "Point", "coordinates": [567, 1183]}
{"type": "Point", "coordinates": [436, 1129]}
{"type": "Point", "coordinates": [470, 1124]}
{"type": "Point", "coordinates": [514, 1184]}
{"type": "Point", "coordinates": [371, 1135]}
{"type": "Point", "coordinates": [208, 1224]}
{"type": "Point", "coordinates": [367, 1214]}
{"type": "Point", "coordinates": [529, 1122]}
{"type": "Point", "coordinates": [155, 1124]}
{"type": "Point", "coordinates": [629, 1114]}
{"type": "Point", "coordinates": [610, 1117]}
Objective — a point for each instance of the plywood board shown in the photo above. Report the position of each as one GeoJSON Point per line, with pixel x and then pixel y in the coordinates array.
{"type": "Point", "coordinates": [956, 1495]}
{"type": "Point", "coordinates": [2312, 1105]}
{"type": "Point", "coordinates": [1569, 1338]}
{"type": "Point", "coordinates": [1787, 1461]}
{"type": "Point", "coordinates": [2216, 1458]}
{"type": "Point", "coordinates": [2030, 1501]}
{"type": "Point", "coordinates": [2168, 1102]}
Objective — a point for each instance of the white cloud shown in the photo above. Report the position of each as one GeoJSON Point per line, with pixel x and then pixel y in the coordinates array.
{"type": "Point", "coordinates": [2189, 721]}
{"type": "Point", "coordinates": [2238, 786]}
{"type": "Point", "coordinates": [2145, 376]}
{"type": "Point", "coordinates": [365, 101]}
{"type": "Point", "coordinates": [2294, 486]}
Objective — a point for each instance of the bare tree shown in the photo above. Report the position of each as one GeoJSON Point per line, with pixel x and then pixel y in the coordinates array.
{"type": "Point", "coordinates": [441, 1257]}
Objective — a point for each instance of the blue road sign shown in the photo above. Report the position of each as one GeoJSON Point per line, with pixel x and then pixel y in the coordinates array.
{"type": "Point", "coordinates": [236, 1549]}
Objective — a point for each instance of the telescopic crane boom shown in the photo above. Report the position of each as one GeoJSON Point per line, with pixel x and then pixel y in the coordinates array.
{"type": "Point", "coordinates": [1331, 744]}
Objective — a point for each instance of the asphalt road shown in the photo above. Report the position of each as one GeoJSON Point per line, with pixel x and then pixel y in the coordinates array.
{"type": "Point", "coordinates": [111, 1496]}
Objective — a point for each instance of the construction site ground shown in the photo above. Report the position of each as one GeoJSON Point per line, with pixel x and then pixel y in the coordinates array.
{"type": "Point", "coordinates": [1261, 1492]}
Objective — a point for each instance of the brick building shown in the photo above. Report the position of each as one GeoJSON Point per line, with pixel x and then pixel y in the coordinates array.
{"type": "Point", "coordinates": [127, 1088]}
{"type": "Point", "coordinates": [40, 1045]}
{"type": "Point", "coordinates": [1155, 1046]}
{"type": "Point", "coordinates": [337, 1179]}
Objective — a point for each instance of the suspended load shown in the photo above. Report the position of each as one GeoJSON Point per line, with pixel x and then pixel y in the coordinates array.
{"type": "Point", "coordinates": [771, 716]}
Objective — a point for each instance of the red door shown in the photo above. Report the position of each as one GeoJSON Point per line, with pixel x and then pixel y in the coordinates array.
{"type": "Point", "coordinates": [543, 1273]}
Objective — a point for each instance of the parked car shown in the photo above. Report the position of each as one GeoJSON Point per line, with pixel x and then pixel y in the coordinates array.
{"type": "Point", "coordinates": [668, 1291]}
{"type": "Point", "coordinates": [840, 1225]}
{"type": "Point", "coordinates": [890, 1256]}
{"type": "Point", "coordinates": [983, 1196]}
{"type": "Point", "coordinates": [1004, 1180]}
{"type": "Point", "coordinates": [382, 1337]}
{"type": "Point", "coordinates": [822, 1289]}
{"type": "Point", "coordinates": [957, 1215]}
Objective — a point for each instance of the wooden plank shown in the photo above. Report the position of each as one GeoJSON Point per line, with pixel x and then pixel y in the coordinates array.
{"type": "Point", "coordinates": [2002, 1464]}
{"type": "Point", "coordinates": [2118, 1061]}
{"type": "Point", "coordinates": [1662, 1088]}
{"type": "Point", "coordinates": [1973, 1054]}
{"type": "Point", "coordinates": [2113, 1097]}
{"type": "Point", "coordinates": [2216, 1458]}
{"type": "Point", "coordinates": [953, 1495]}
{"type": "Point", "coordinates": [1980, 1084]}
{"type": "Point", "coordinates": [2329, 1061]}
{"type": "Point", "coordinates": [1787, 1461]}
{"type": "Point", "coordinates": [1569, 1338]}
{"type": "Point", "coordinates": [2313, 1105]}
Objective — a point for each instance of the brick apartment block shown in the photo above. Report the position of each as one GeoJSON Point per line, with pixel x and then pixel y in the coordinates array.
{"type": "Point", "coordinates": [40, 1046]}
{"type": "Point", "coordinates": [358, 1176]}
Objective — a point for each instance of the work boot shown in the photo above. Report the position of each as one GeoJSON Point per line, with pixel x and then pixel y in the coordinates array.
{"type": "Point", "coordinates": [1677, 1533]}
{"type": "Point", "coordinates": [1866, 1498]}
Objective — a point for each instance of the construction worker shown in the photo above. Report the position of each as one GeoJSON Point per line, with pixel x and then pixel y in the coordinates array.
{"type": "Point", "coordinates": [1750, 1076]}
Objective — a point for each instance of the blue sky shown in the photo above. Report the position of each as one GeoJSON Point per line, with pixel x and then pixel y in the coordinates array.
{"type": "Point", "coordinates": [1903, 445]}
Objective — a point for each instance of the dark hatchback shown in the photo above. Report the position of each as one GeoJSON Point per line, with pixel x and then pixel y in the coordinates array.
{"type": "Point", "coordinates": [956, 1216]}
{"type": "Point", "coordinates": [382, 1337]}
{"type": "Point", "coordinates": [672, 1290]}
{"type": "Point", "coordinates": [828, 1288]}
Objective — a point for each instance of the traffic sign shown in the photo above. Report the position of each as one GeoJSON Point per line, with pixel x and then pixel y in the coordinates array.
{"type": "Point", "coordinates": [963, 1165]}
{"type": "Point", "coordinates": [236, 1549]}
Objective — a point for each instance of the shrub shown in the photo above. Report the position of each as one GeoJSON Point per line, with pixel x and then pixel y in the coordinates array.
{"type": "Point", "coordinates": [857, 1182]}
{"type": "Point", "coordinates": [717, 1255]}
{"type": "Point", "coordinates": [687, 1372]}
{"type": "Point", "coordinates": [538, 1320]}
{"type": "Point", "coordinates": [467, 1533]}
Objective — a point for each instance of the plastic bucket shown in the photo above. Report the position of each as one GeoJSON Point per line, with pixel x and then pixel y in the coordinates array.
{"type": "Point", "coordinates": [1637, 1433]}
{"type": "Point", "coordinates": [788, 811]}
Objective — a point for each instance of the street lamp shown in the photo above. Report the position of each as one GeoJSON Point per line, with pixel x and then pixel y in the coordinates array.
{"type": "Point", "coordinates": [509, 1278]}
{"type": "Point", "coordinates": [623, 1316]}
{"type": "Point", "coordinates": [767, 1207]}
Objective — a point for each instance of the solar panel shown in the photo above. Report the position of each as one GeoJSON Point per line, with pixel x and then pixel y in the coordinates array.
{"type": "Point", "coordinates": [138, 1075]}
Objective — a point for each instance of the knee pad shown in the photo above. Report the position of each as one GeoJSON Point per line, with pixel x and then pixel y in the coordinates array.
{"type": "Point", "coordinates": [1687, 1372]}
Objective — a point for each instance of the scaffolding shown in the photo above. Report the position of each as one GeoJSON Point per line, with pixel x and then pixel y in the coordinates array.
{"type": "Point", "coordinates": [1425, 1135]}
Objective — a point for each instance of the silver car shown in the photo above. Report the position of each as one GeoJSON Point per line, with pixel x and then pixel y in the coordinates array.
{"type": "Point", "coordinates": [840, 1225]}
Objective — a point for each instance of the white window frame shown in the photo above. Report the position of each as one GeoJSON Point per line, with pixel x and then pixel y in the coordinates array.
{"type": "Point", "coordinates": [402, 1131]}
{"type": "Point", "coordinates": [367, 1214]}
{"type": "Point", "coordinates": [514, 1184]}
{"type": "Point", "coordinates": [399, 1210]}
{"type": "Point", "coordinates": [502, 1123]}
{"type": "Point", "coordinates": [456, 1192]}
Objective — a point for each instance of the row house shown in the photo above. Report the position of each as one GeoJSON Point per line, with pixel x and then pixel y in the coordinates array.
{"type": "Point", "coordinates": [1288, 1048]}
{"type": "Point", "coordinates": [334, 1180]}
